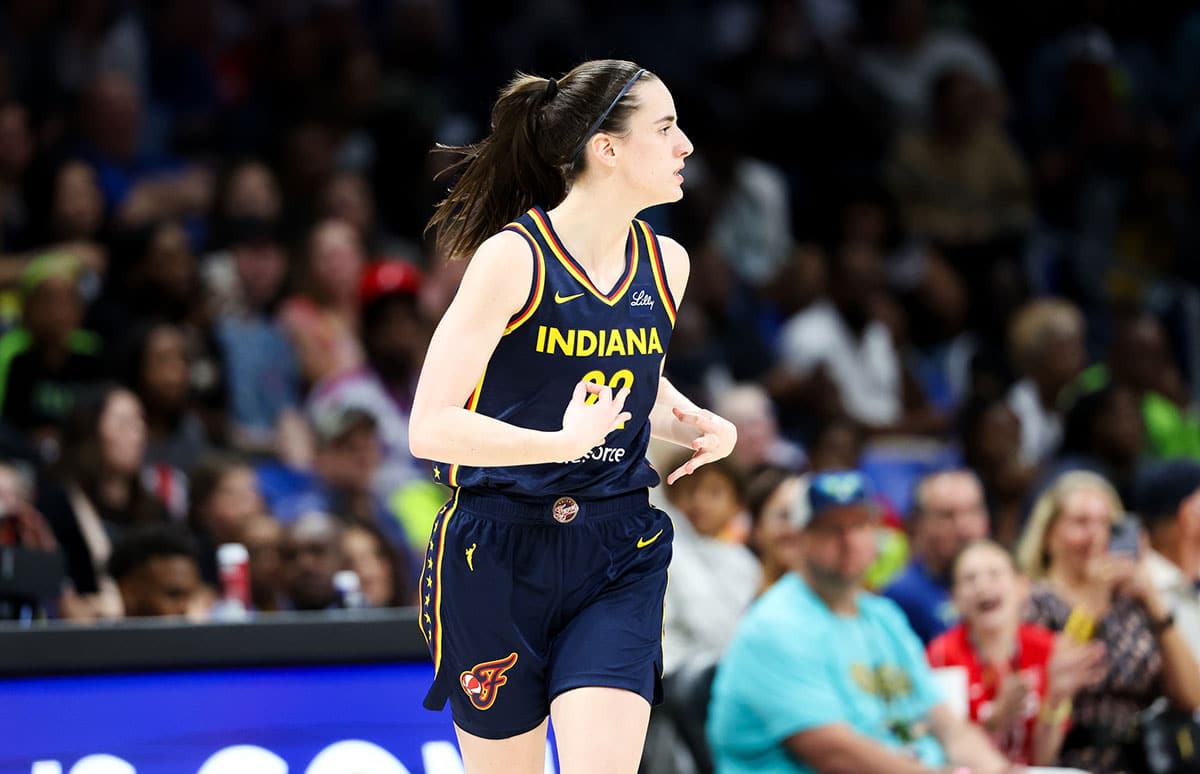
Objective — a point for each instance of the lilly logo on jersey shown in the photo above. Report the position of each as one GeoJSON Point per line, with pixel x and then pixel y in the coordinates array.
{"type": "Point", "coordinates": [483, 681]}
{"type": "Point", "coordinates": [641, 298]}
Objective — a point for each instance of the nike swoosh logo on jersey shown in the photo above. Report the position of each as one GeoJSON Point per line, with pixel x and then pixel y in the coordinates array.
{"type": "Point", "coordinates": [643, 542]}
{"type": "Point", "coordinates": [561, 299]}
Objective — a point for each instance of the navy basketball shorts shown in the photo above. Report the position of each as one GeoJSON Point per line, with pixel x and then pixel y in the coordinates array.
{"type": "Point", "coordinates": [523, 600]}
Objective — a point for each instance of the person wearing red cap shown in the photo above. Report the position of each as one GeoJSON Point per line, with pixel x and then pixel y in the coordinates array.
{"type": "Point", "coordinates": [388, 276]}
{"type": "Point", "coordinates": [393, 330]}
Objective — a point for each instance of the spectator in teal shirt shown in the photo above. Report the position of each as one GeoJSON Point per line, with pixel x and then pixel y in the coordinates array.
{"type": "Point", "coordinates": [823, 676]}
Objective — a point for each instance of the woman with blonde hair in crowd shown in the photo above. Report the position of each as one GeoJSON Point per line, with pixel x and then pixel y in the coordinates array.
{"type": "Point", "coordinates": [1046, 344]}
{"type": "Point", "coordinates": [1091, 582]}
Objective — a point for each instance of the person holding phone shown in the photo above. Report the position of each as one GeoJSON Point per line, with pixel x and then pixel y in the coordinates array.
{"type": "Point", "coordinates": [1089, 591]}
{"type": "Point", "coordinates": [1125, 537]}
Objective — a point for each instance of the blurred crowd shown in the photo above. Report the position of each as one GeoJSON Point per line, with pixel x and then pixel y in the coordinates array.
{"type": "Point", "coordinates": [941, 245]}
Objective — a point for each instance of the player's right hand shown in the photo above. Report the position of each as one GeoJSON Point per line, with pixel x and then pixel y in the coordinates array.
{"type": "Point", "coordinates": [586, 425]}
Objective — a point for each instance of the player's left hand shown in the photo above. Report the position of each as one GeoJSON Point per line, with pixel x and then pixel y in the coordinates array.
{"type": "Point", "coordinates": [717, 438]}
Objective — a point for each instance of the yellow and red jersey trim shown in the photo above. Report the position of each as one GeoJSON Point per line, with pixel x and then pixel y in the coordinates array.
{"type": "Point", "coordinates": [575, 271]}
{"type": "Point", "coordinates": [539, 279]}
{"type": "Point", "coordinates": [659, 271]}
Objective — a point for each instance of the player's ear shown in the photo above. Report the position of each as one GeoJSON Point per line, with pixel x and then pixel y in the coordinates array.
{"type": "Point", "coordinates": [603, 149]}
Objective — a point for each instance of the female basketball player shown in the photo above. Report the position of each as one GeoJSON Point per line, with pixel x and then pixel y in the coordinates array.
{"type": "Point", "coordinates": [543, 584]}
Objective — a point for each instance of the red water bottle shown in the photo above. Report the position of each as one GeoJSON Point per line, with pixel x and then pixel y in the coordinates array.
{"type": "Point", "coordinates": [233, 563]}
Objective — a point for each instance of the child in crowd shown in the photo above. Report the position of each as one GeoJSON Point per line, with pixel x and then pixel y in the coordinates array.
{"type": "Point", "coordinates": [1020, 677]}
{"type": "Point", "coordinates": [774, 539]}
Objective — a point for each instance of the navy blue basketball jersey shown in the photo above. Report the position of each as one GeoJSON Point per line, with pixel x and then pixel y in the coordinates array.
{"type": "Point", "coordinates": [570, 331]}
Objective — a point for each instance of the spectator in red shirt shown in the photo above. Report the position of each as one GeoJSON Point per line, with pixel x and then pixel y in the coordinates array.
{"type": "Point", "coordinates": [1020, 679]}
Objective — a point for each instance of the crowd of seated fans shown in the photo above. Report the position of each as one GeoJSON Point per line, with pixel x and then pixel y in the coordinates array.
{"type": "Point", "coordinates": [944, 282]}
{"type": "Point", "coordinates": [1054, 652]}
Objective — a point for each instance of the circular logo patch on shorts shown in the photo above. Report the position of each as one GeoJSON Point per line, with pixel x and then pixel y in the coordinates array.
{"type": "Point", "coordinates": [565, 509]}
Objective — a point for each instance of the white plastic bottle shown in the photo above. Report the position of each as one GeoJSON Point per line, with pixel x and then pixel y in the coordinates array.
{"type": "Point", "coordinates": [349, 589]}
{"type": "Point", "coordinates": [233, 564]}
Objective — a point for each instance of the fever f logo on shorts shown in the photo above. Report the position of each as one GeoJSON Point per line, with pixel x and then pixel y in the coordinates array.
{"type": "Point", "coordinates": [483, 681]}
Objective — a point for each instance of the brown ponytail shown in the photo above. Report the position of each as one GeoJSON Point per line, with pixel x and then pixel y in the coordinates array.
{"type": "Point", "coordinates": [530, 156]}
